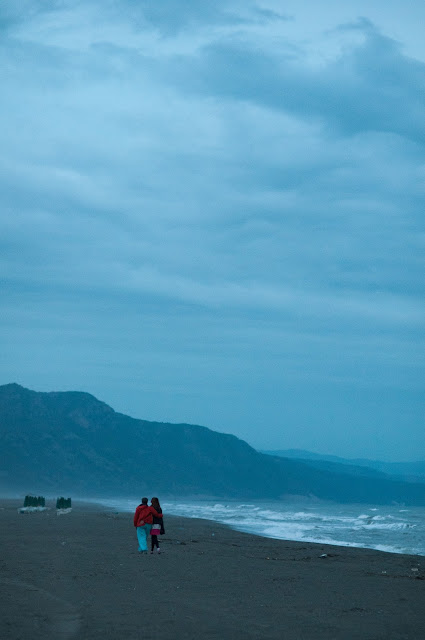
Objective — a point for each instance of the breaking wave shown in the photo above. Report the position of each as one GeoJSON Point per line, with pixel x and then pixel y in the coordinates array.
{"type": "Point", "coordinates": [391, 529]}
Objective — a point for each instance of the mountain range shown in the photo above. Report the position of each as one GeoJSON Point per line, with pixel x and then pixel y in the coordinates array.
{"type": "Point", "coordinates": [71, 443]}
{"type": "Point", "coordinates": [405, 471]}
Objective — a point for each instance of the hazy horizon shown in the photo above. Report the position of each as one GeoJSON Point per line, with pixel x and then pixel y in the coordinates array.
{"type": "Point", "coordinates": [213, 213]}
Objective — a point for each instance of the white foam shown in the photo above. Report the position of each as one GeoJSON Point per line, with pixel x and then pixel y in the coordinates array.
{"type": "Point", "coordinates": [338, 525]}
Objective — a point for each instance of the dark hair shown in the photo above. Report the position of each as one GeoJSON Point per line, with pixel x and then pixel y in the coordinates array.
{"type": "Point", "coordinates": [144, 501]}
{"type": "Point", "coordinates": [155, 503]}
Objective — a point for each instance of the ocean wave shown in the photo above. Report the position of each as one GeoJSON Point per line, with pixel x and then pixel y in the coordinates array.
{"type": "Point", "coordinates": [396, 526]}
{"type": "Point", "coordinates": [340, 525]}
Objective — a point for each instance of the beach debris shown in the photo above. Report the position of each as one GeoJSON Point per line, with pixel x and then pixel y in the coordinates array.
{"type": "Point", "coordinates": [33, 504]}
{"type": "Point", "coordinates": [34, 501]}
{"type": "Point", "coordinates": [324, 555]}
{"type": "Point", "coordinates": [414, 569]}
{"type": "Point", "coordinates": [63, 503]}
{"type": "Point", "coordinates": [63, 506]}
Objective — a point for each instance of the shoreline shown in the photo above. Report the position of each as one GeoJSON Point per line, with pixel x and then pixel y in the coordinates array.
{"type": "Point", "coordinates": [384, 547]}
{"type": "Point", "coordinates": [115, 504]}
{"type": "Point", "coordinates": [79, 576]}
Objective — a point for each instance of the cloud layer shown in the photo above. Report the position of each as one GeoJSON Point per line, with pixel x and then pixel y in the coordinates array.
{"type": "Point", "coordinates": [206, 217]}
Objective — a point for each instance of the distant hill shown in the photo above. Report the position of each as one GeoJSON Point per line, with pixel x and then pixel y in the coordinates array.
{"type": "Point", "coordinates": [70, 442]}
{"type": "Point", "coordinates": [405, 471]}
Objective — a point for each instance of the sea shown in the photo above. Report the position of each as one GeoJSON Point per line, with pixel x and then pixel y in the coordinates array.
{"type": "Point", "coordinates": [395, 529]}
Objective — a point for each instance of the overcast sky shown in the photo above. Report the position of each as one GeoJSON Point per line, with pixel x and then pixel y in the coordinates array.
{"type": "Point", "coordinates": [212, 211]}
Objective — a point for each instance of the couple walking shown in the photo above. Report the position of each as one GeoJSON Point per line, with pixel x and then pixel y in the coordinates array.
{"type": "Point", "coordinates": [148, 520]}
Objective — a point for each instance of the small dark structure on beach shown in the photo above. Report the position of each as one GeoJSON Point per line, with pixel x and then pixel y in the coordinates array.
{"type": "Point", "coordinates": [34, 501]}
{"type": "Point", "coordinates": [63, 503]}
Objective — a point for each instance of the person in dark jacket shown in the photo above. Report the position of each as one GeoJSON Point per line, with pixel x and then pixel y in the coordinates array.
{"type": "Point", "coordinates": [143, 518]}
{"type": "Point", "coordinates": [157, 526]}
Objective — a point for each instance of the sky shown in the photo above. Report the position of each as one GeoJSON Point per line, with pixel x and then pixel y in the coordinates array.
{"type": "Point", "coordinates": [213, 213]}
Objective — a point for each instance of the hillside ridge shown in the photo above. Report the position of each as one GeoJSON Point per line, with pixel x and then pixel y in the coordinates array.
{"type": "Point", "coordinates": [71, 441]}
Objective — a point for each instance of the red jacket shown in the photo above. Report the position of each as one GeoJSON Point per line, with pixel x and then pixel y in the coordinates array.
{"type": "Point", "coordinates": [144, 515]}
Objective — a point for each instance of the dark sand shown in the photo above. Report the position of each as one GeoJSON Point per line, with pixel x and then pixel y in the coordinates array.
{"type": "Point", "coordinates": [80, 576]}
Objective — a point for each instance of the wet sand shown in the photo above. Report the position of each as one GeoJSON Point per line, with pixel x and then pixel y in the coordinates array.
{"type": "Point", "coordinates": [79, 576]}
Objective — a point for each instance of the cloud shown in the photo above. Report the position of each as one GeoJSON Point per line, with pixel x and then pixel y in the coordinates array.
{"type": "Point", "coordinates": [191, 171]}
{"type": "Point", "coordinates": [370, 88]}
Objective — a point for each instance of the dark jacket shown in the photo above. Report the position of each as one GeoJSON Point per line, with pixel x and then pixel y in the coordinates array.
{"type": "Point", "coordinates": [159, 520]}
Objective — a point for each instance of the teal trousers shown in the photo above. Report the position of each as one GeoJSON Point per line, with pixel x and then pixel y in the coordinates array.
{"type": "Point", "coordinates": [142, 536]}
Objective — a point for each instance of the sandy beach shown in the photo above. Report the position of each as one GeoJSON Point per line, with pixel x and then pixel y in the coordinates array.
{"type": "Point", "coordinates": [80, 576]}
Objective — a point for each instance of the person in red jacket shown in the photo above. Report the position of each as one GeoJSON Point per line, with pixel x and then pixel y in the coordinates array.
{"type": "Point", "coordinates": [143, 518]}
